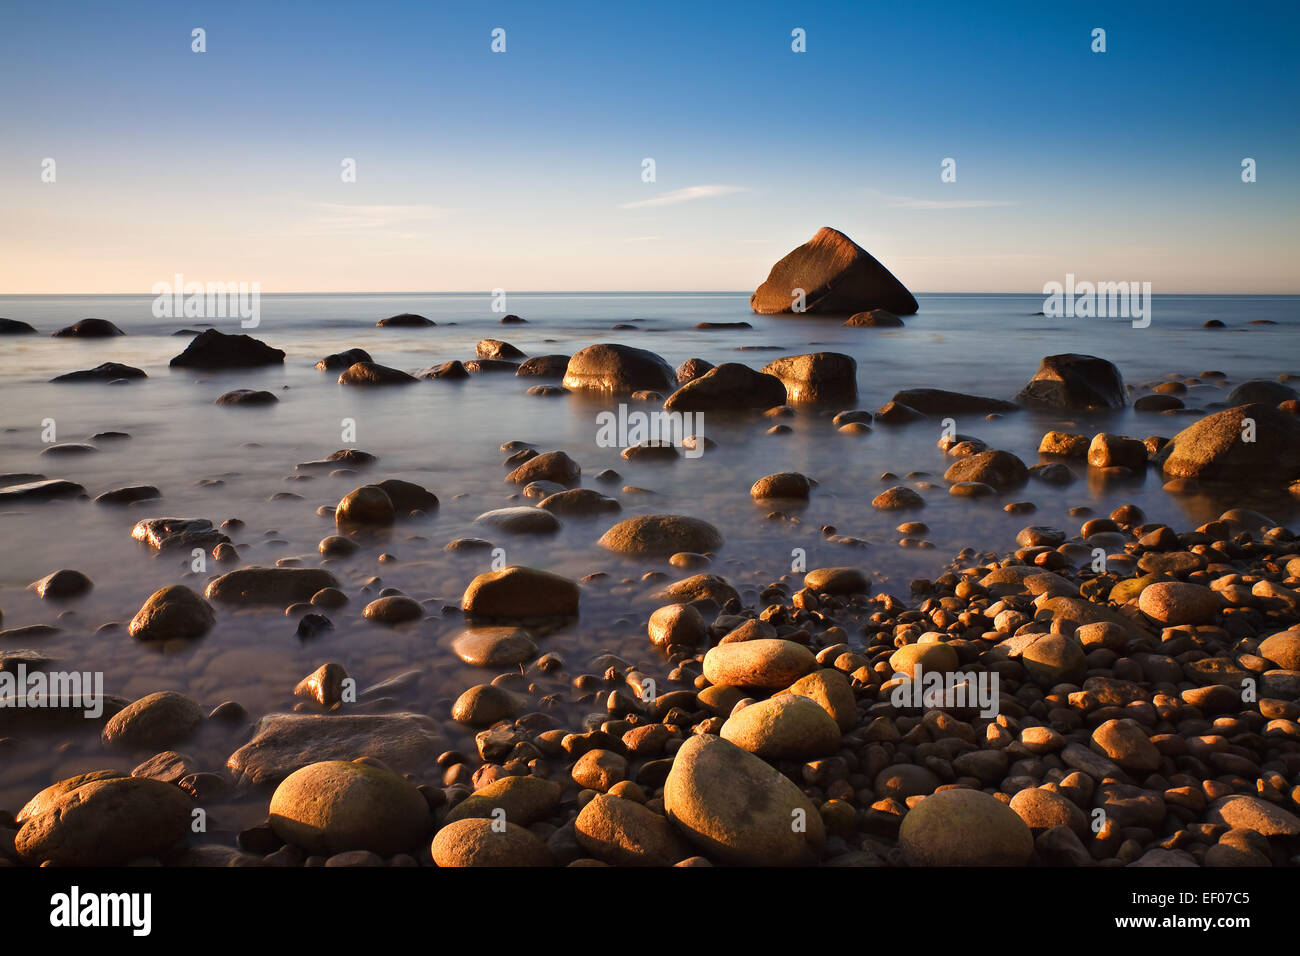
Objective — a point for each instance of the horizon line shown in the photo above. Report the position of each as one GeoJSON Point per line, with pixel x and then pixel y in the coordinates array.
{"type": "Point", "coordinates": [677, 292]}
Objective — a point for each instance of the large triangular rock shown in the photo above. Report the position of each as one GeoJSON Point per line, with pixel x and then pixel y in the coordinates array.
{"type": "Point", "coordinates": [836, 275]}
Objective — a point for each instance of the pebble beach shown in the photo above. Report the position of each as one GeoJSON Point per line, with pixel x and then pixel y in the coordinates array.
{"type": "Point", "coordinates": [375, 588]}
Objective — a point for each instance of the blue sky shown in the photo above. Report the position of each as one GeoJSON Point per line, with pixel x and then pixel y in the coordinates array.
{"type": "Point", "coordinates": [522, 170]}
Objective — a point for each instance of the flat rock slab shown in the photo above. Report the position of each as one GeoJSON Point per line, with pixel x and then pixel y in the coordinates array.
{"type": "Point", "coordinates": [520, 520]}
{"type": "Point", "coordinates": [107, 372]}
{"type": "Point", "coordinates": [283, 743]}
{"type": "Point", "coordinates": [128, 495]}
{"type": "Point", "coordinates": [41, 490]}
{"type": "Point", "coordinates": [938, 401]}
{"type": "Point", "coordinates": [494, 646]}
{"type": "Point", "coordinates": [269, 585]}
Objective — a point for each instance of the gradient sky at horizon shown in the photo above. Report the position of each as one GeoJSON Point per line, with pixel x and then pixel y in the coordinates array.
{"type": "Point", "coordinates": [522, 170]}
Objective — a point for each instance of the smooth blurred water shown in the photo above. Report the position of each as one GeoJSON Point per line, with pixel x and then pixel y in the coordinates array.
{"type": "Point", "coordinates": [446, 436]}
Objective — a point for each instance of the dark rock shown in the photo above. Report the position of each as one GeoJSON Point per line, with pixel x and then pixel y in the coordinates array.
{"type": "Point", "coordinates": [61, 584]}
{"type": "Point", "coordinates": [45, 490]}
{"type": "Point", "coordinates": [407, 320]}
{"type": "Point", "coordinates": [1157, 403]}
{"type": "Point", "coordinates": [89, 329]}
{"type": "Point", "coordinates": [896, 413]}
{"type": "Point", "coordinates": [1263, 391]}
{"type": "Point", "coordinates": [1076, 382]}
{"type": "Point", "coordinates": [544, 366]}
{"type": "Point", "coordinates": [368, 373]}
{"type": "Point", "coordinates": [247, 396]}
{"type": "Point", "coordinates": [128, 495]}
{"type": "Point", "coordinates": [692, 369]}
{"type": "Point", "coordinates": [407, 496]}
{"type": "Point", "coordinates": [172, 613]}
{"type": "Point", "coordinates": [875, 319]}
{"type": "Point", "coordinates": [448, 370]}
{"type": "Point", "coordinates": [937, 401]}
{"type": "Point", "coordinates": [729, 386]}
{"type": "Point", "coordinates": [101, 373]}
{"type": "Point", "coordinates": [342, 360]}
{"type": "Point", "coordinates": [284, 586]}
{"type": "Point", "coordinates": [212, 349]}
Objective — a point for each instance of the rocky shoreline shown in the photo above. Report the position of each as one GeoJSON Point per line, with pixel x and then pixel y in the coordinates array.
{"type": "Point", "coordinates": [1116, 693]}
{"type": "Point", "coordinates": [1123, 735]}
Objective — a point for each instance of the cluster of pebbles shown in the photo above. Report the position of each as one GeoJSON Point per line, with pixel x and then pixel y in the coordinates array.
{"type": "Point", "coordinates": [1146, 705]}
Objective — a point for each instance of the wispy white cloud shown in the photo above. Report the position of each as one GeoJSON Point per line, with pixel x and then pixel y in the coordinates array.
{"type": "Point", "coordinates": [676, 196]}
{"type": "Point", "coordinates": [978, 257]}
{"type": "Point", "coordinates": [911, 202]}
{"type": "Point", "coordinates": [349, 217]}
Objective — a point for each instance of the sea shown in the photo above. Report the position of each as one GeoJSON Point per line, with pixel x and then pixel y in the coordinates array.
{"type": "Point", "coordinates": [218, 463]}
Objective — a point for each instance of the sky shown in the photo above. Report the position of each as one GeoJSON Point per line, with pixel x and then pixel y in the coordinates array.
{"type": "Point", "coordinates": [523, 170]}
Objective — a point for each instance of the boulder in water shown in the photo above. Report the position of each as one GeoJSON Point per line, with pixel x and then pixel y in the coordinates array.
{"type": "Point", "coordinates": [89, 329]}
{"type": "Point", "coordinates": [1252, 442]}
{"type": "Point", "coordinates": [618, 368]}
{"type": "Point", "coordinates": [816, 377]}
{"type": "Point", "coordinates": [1074, 382]}
{"type": "Point", "coordinates": [729, 386]}
{"type": "Point", "coordinates": [107, 372]}
{"type": "Point", "coordinates": [836, 276]}
{"type": "Point", "coordinates": [212, 349]}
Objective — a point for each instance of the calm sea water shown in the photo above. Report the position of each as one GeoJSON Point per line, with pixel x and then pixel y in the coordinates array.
{"type": "Point", "coordinates": [446, 436]}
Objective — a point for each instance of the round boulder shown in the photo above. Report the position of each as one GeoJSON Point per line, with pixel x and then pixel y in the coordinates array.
{"type": "Point", "coordinates": [156, 721]}
{"type": "Point", "coordinates": [661, 535]}
{"type": "Point", "coordinates": [964, 828]}
{"type": "Point", "coordinates": [482, 842]}
{"type": "Point", "coordinates": [336, 805]}
{"type": "Point", "coordinates": [1001, 469]}
{"type": "Point", "coordinates": [367, 505]}
{"type": "Point", "coordinates": [520, 592]}
{"type": "Point", "coordinates": [172, 613]}
{"type": "Point", "coordinates": [1174, 603]}
{"type": "Point", "coordinates": [677, 624]}
{"type": "Point", "coordinates": [769, 663]}
{"type": "Point", "coordinates": [785, 484]}
{"type": "Point", "coordinates": [494, 646]}
{"type": "Point", "coordinates": [737, 809]}
{"type": "Point", "coordinates": [1125, 742]}
{"type": "Point", "coordinates": [102, 819]}
{"type": "Point", "coordinates": [618, 368]}
{"type": "Point", "coordinates": [626, 833]}
{"type": "Point", "coordinates": [786, 727]}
